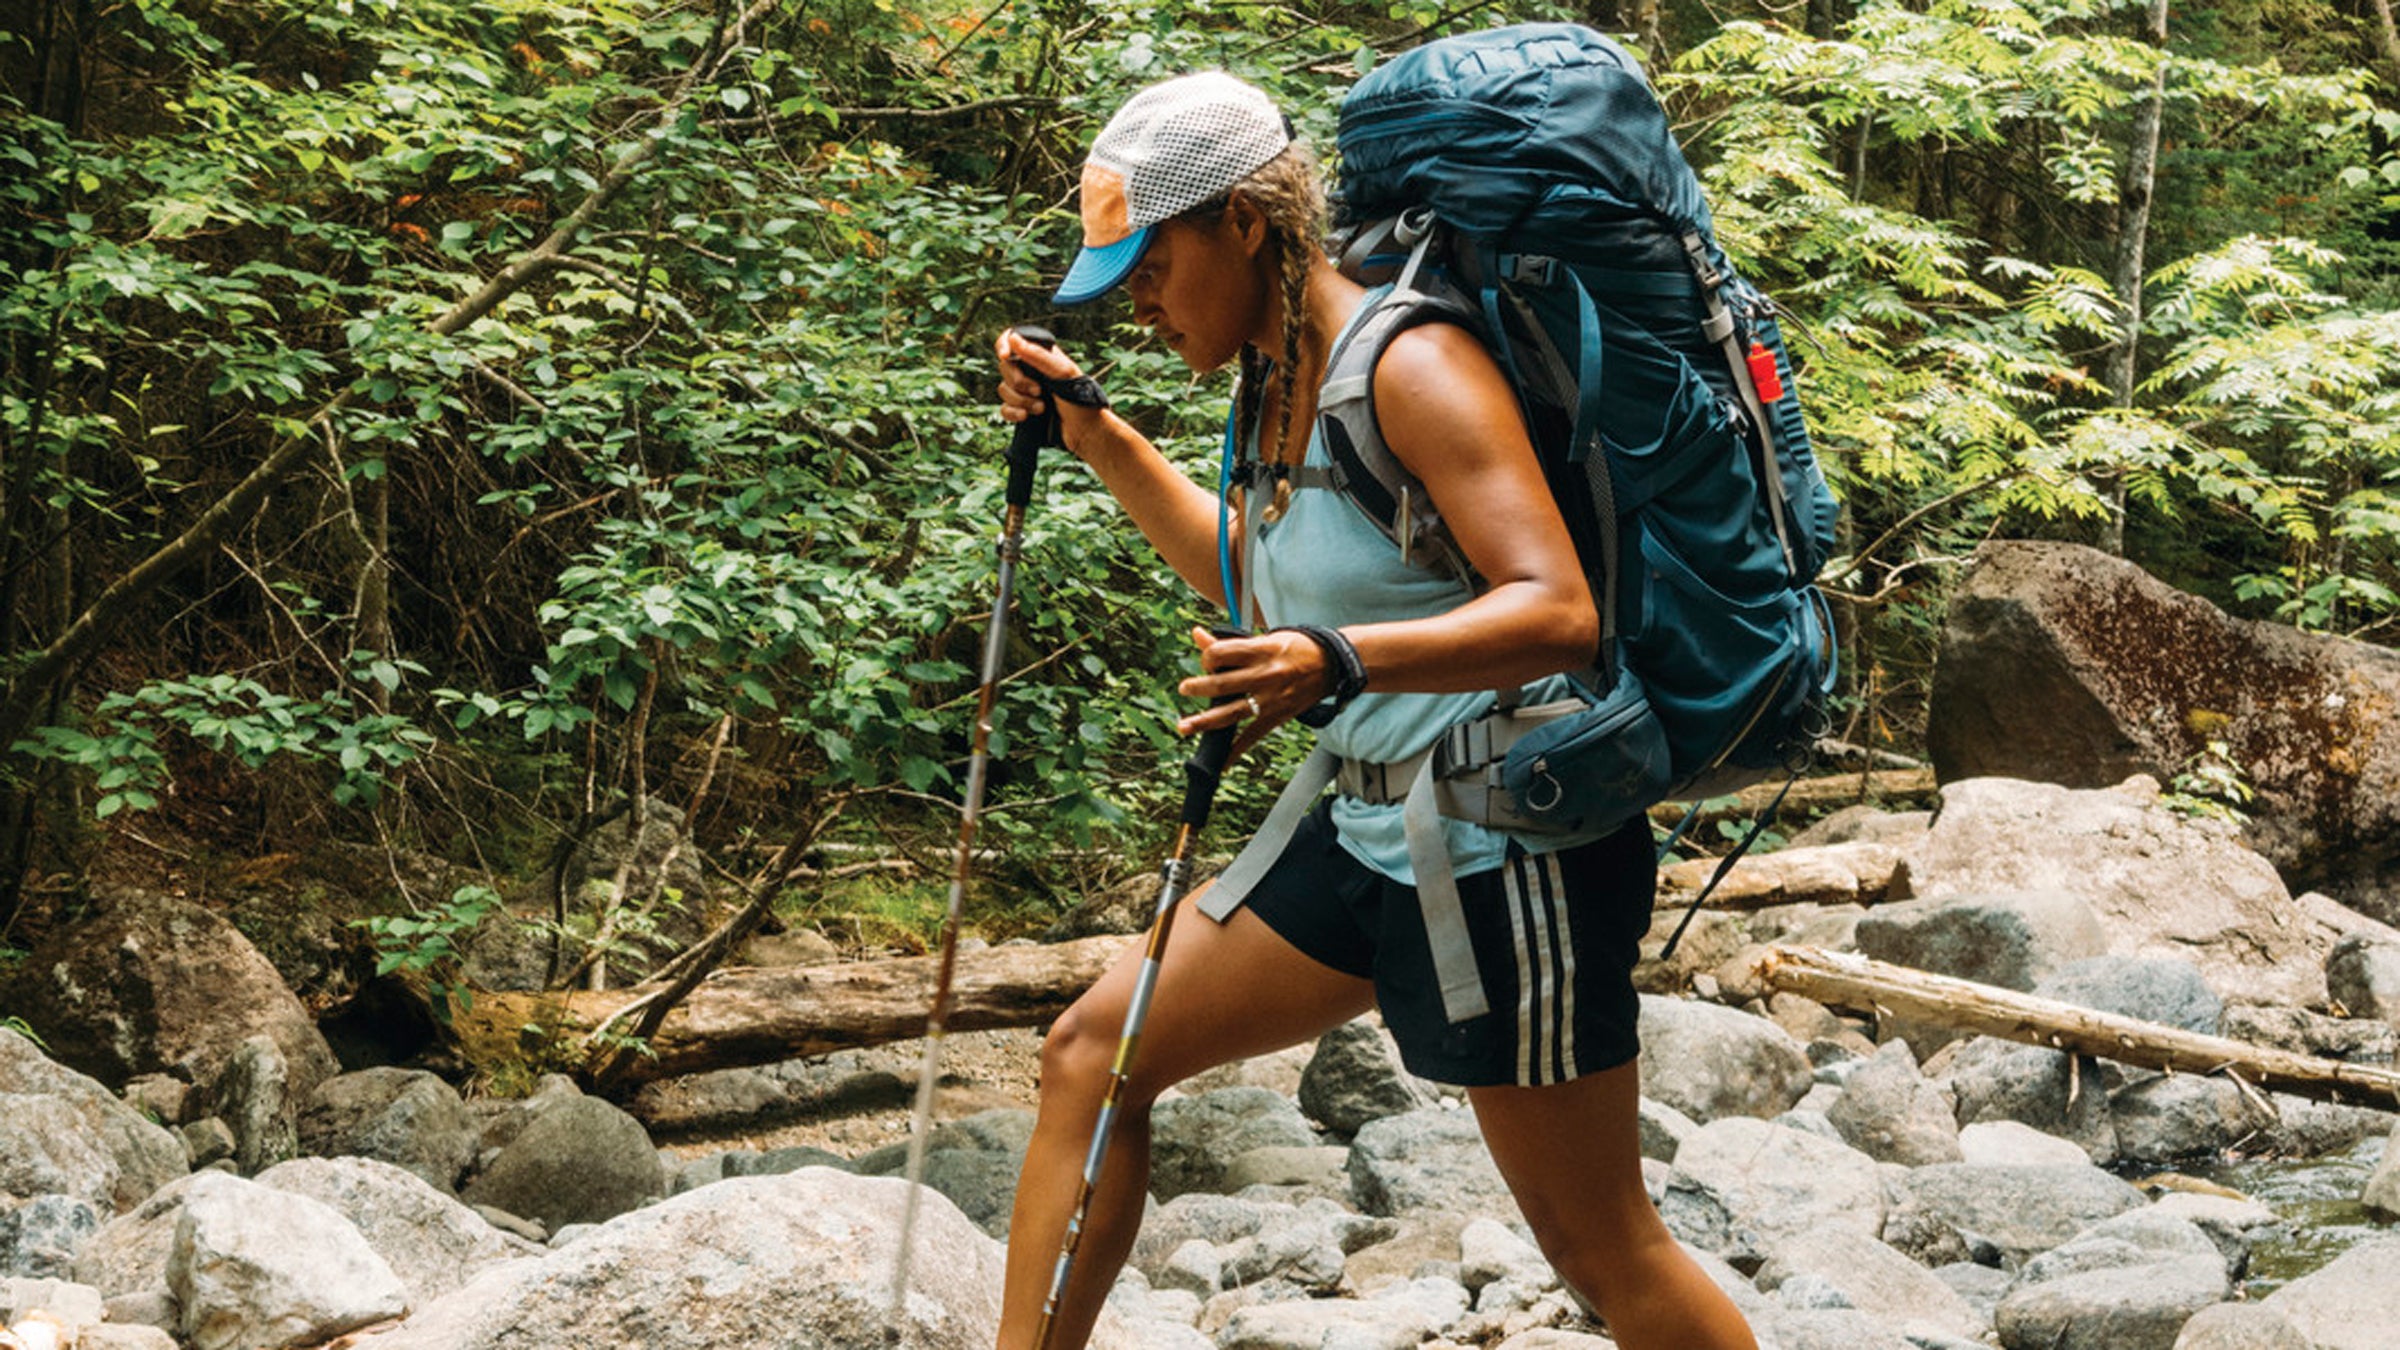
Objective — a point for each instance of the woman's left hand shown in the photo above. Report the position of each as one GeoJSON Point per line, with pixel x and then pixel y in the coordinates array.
{"type": "Point", "coordinates": [1270, 678]}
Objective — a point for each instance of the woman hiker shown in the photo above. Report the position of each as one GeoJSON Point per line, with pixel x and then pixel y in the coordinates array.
{"type": "Point", "coordinates": [1197, 200]}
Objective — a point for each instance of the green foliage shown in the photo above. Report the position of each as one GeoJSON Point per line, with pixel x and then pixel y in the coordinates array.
{"type": "Point", "coordinates": [723, 454]}
{"type": "Point", "coordinates": [18, 1025]}
{"type": "Point", "coordinates": [429, 944]}
{"type": "Point", "coordinates": [2213, 784]}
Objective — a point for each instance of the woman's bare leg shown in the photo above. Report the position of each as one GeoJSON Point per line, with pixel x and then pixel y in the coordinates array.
{"type": "Point", "coordinates": [1225, 992]}
{"type": "Point", "coordinates": [1571, 1154]}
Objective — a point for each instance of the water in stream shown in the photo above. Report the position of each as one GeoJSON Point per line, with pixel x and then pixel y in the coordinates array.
{"type": "Point", "coordinates": [2319, 1201]}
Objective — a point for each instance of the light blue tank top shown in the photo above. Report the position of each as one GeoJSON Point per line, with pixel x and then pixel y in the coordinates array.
{"type": "Point", "coordinates": [1323, 562]}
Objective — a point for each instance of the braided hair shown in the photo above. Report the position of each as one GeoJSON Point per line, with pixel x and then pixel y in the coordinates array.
{"type": "Point", "coordinates": [1291, 199]}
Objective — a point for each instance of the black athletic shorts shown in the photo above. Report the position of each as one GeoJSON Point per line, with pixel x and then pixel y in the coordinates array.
{"type": "Point", "coordinates": [1556, 937]}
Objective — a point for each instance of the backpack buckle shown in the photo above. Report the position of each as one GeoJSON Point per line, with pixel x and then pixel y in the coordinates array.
{"type": "Point", "coordinates": [1528, 267]}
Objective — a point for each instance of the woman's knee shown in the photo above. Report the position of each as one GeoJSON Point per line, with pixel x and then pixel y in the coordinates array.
{"type": "Point", "coordinates": [1080, 1053]}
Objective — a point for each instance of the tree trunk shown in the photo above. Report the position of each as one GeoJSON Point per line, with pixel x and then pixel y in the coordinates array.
{"type": "Point", "coordinates": [2385, 34]}
{"type": "Point", "coordinates": [1843, 980]}
{"type": "Point", "coordinates": [2133, 229]}
{"type": "Point", "coordinates": [745, 1016]}
{"type": "Point", "coordinates": [1856, 873]}
{"type": "Point", "coordinates": [1812, 794]}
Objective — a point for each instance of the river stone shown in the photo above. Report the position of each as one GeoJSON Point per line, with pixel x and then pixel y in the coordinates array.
{"type": "Point", "coordinates": [800, 1259]}
{"type": "Point", "coordinates": [2160, 883]}
{"type": "Point", "coordinates": [2346, 1305]}
{"type": "Point", "coordinates": [2009, 939]}
{"type": "Point", "coordinates": [1991, 1079]}
{"type": "Point", "coordinates": [2241, 1326]}
{"type": "Point", "coordinates": [62, 1133]}
{"type": "Point", "coordinates": [2010, 1143]}
{"type": "Point", "coordinates": [1891, 1112]}
{"type": "Point", "coordinates": [1489, 1250]}
{"type": "Point", "coordinates": [2133, 1307]}
{"type": "Point", "coordinates": [1709, 1061]}
{"type": "Point", "coordinates": [1396, 1317]}
{"type": "Point", "coordinates": [38, 1238]}
{"type": "Point", "coordinates": [1663, 1129]}
{"type": "Point", "coordinates": [1779, 1183]}
{"type": "Point", "coordinates": [2138, 1237]}
{"type": "Point", "coordinates": [1830, 1329]}
{"type": "Point", "coordinates": [252, 1094]}
{"type": "Point", "coordinates": [1875, 1279]}
{"type": "Point", "coordinates": [2382, 1196]}
{"type": "Point", "coordinates": [1355, 1076]}
{"type": "Point", "coordinates": [2363, 975]}
{"type": "Point", "coordinates": [579, 1160]}
{"type": "Point", "coordinates": [1192, 1138]}
{"type": "Point", "coordinates": [255, 1268]}
{"type": "Point", "coordinates": [154, 984]}
{"type": "Point", "coordinates": [2163, 1120]}
{"type": "Point", "coordinates": [2019, 1212]}
{"type": "Point", "coordinates": [2166, 990]}
{"type": "Point", "coordinates": [431, 1241]}
{"type": "Point", "coordinates": [406, 1117]}
{"type": "Point", "coordinates": [1429, 1159]}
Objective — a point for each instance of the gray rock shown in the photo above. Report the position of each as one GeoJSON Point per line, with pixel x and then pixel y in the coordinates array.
{"type": "Point", "coordinates": [1292, 1173]}
{"type": "Point", "coordinates": [1191, 1138]}
{"type": "Point", "coordinates": [207, 1142]}
{"type": "Point", "coordinates": [1489, 1250]}
{"type": "Point", "coordinates": [2138, 1237]}
{"type": "Point", "coordinates": [2162, 1120]}
{"type": "Point", "coordinates": [774, 1162]}
{"type": "Point", "coordinates": [2011, 939]}
{"type": "Point", "coordinates": [1891, 1112]}
{"type": "Point", "coordinates": [2160, 883]}
{"type": "Point", "coordinates": [62, 1133]}
{"type": "Point", "coordinates": [1397, 1317]}
{"type": "Point", "coordinates": [252, 1094]}
{"type": "Point", "coordinates": [1429, 1159]}
{"type": "Point", "coordinates": [405, 1117]}
{"type": "Point", "coordinates": [1355, 1076]}
{"type": "Point", "coordinates": [2019, 1212]}
{"type": "Point", "coordinates": [1305, 1251]}
{"type": "Point", "coordinates": [2356, 1039]}
{"type": "Point", "coordinates": [433, 1243]}
{"type": "Point", "coordinates": [1875, 1279]}
{"type": "Point", "coordinates": [109, 1336]}
{"type": "Point", "coordinates": [2234, 1225]}
{"type": "Point", "coordinates": [255, 1268]}
{"type": "Point", "coordinates": [2011, 1143]}
{"type": "Point", "coordinates": [800, 1259]}
{"type": "Point", "coordinates": [128, 1257]}
{"type": "Point", "coordinates": [578, 1161]}
{"type": "Point", "coordinates": [71, 1306]}
{"type": "Point", "coordinates": [2240, 1326]}
{"type": "Point", "coordinates": [1710, 1062]}
{"type": "Point", "coordinates": [1830, 1329]}
{"type": "Point", "coordinates": [1215, 1220]}
{"type": "Point", "coordinates": [2165, 990]}
{"type": "Point", "coordinates": [2054, 1092]}
{"type": "Point", "coordinates": [38, 1238]}
{"type": "Point", "coordinates": [1981, 1286]}
{"type": "Point", "coordinates": [1663, 1129]}
{"type": "Point", "coordinates": [1197, 1266]}
{"type": "Point", "coordinates": [2382, 1195]}
{"type": "Point", "coordinates": [2129, 1307]}
{"type": "Point", "coordinates": [2363, 976]}
{"type": "Point", "coordinates": [1778, 1183]}
{"type": "Point", "coordinates": [2346, 1305]}
{"type": "Point", "coordinates": [159, 1096]}
{"type": "Point", "coordinates": [154, 984]}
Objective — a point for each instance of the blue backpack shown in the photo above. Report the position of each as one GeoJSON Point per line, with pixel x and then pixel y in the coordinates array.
{"type": "Point", "coordinates": [1523, 182]}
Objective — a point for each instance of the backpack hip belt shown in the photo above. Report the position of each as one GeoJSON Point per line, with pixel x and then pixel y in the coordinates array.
{"type": "Point", "coordinates": [1458, 777]}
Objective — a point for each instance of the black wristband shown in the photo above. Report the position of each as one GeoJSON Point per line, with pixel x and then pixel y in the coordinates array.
{"type": "Point", "coordinates": [1345, 673]}
{"type": "Point", "coordinates": [1083, 391]}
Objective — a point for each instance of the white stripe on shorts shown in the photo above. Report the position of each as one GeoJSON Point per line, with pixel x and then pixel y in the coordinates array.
{"type": "Point", "coordinates": [1537, 905]}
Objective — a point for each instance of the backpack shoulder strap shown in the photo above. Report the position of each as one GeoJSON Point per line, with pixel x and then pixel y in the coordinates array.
{"type": "Point", "coordinates": [1364, 470]}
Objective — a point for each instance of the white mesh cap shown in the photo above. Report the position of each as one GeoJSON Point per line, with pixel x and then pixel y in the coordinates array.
{"type": "Point", "coordinates": [1173, 146]}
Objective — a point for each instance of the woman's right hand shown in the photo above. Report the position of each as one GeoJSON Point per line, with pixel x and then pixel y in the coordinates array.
{"type": "Point", "coordinates": [1021, 396]}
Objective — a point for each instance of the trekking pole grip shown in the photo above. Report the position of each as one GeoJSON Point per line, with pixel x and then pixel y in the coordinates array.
{"type": "Point", "coordinates": [1033, 434]}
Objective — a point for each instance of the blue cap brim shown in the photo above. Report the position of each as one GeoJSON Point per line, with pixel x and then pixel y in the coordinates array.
{"type": "Point", "coordinates": [1097, 271]}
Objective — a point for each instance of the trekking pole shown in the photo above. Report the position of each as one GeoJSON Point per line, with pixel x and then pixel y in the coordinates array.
{"type": "Point", "coordinates": [1024, 450]}
{"type": "Point", "coordinates": [1200, 773]}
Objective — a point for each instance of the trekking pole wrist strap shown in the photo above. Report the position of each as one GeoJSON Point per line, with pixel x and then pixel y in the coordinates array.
{"type": "Point", "coordinates": [1082, 390]}
{"type": "Point", "coordinates": [1345, 671]}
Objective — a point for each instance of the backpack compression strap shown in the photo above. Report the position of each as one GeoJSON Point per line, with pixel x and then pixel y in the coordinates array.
{"type": "Point", "coordinates": [1720, 329]}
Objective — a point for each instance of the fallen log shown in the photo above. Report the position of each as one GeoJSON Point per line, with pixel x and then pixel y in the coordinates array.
{"type": "Point", "coordinates": [743, 1016]}
{"type": "Point", "coordinates": [1845, 980]}
{"type": "Point", "coordinates": [1887, 786]}
{"type": "Point", "coordinates": [1856, 873]}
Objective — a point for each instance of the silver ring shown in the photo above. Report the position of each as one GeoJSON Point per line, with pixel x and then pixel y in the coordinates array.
{"type": "Point", "coordinates": [1252, 700]}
